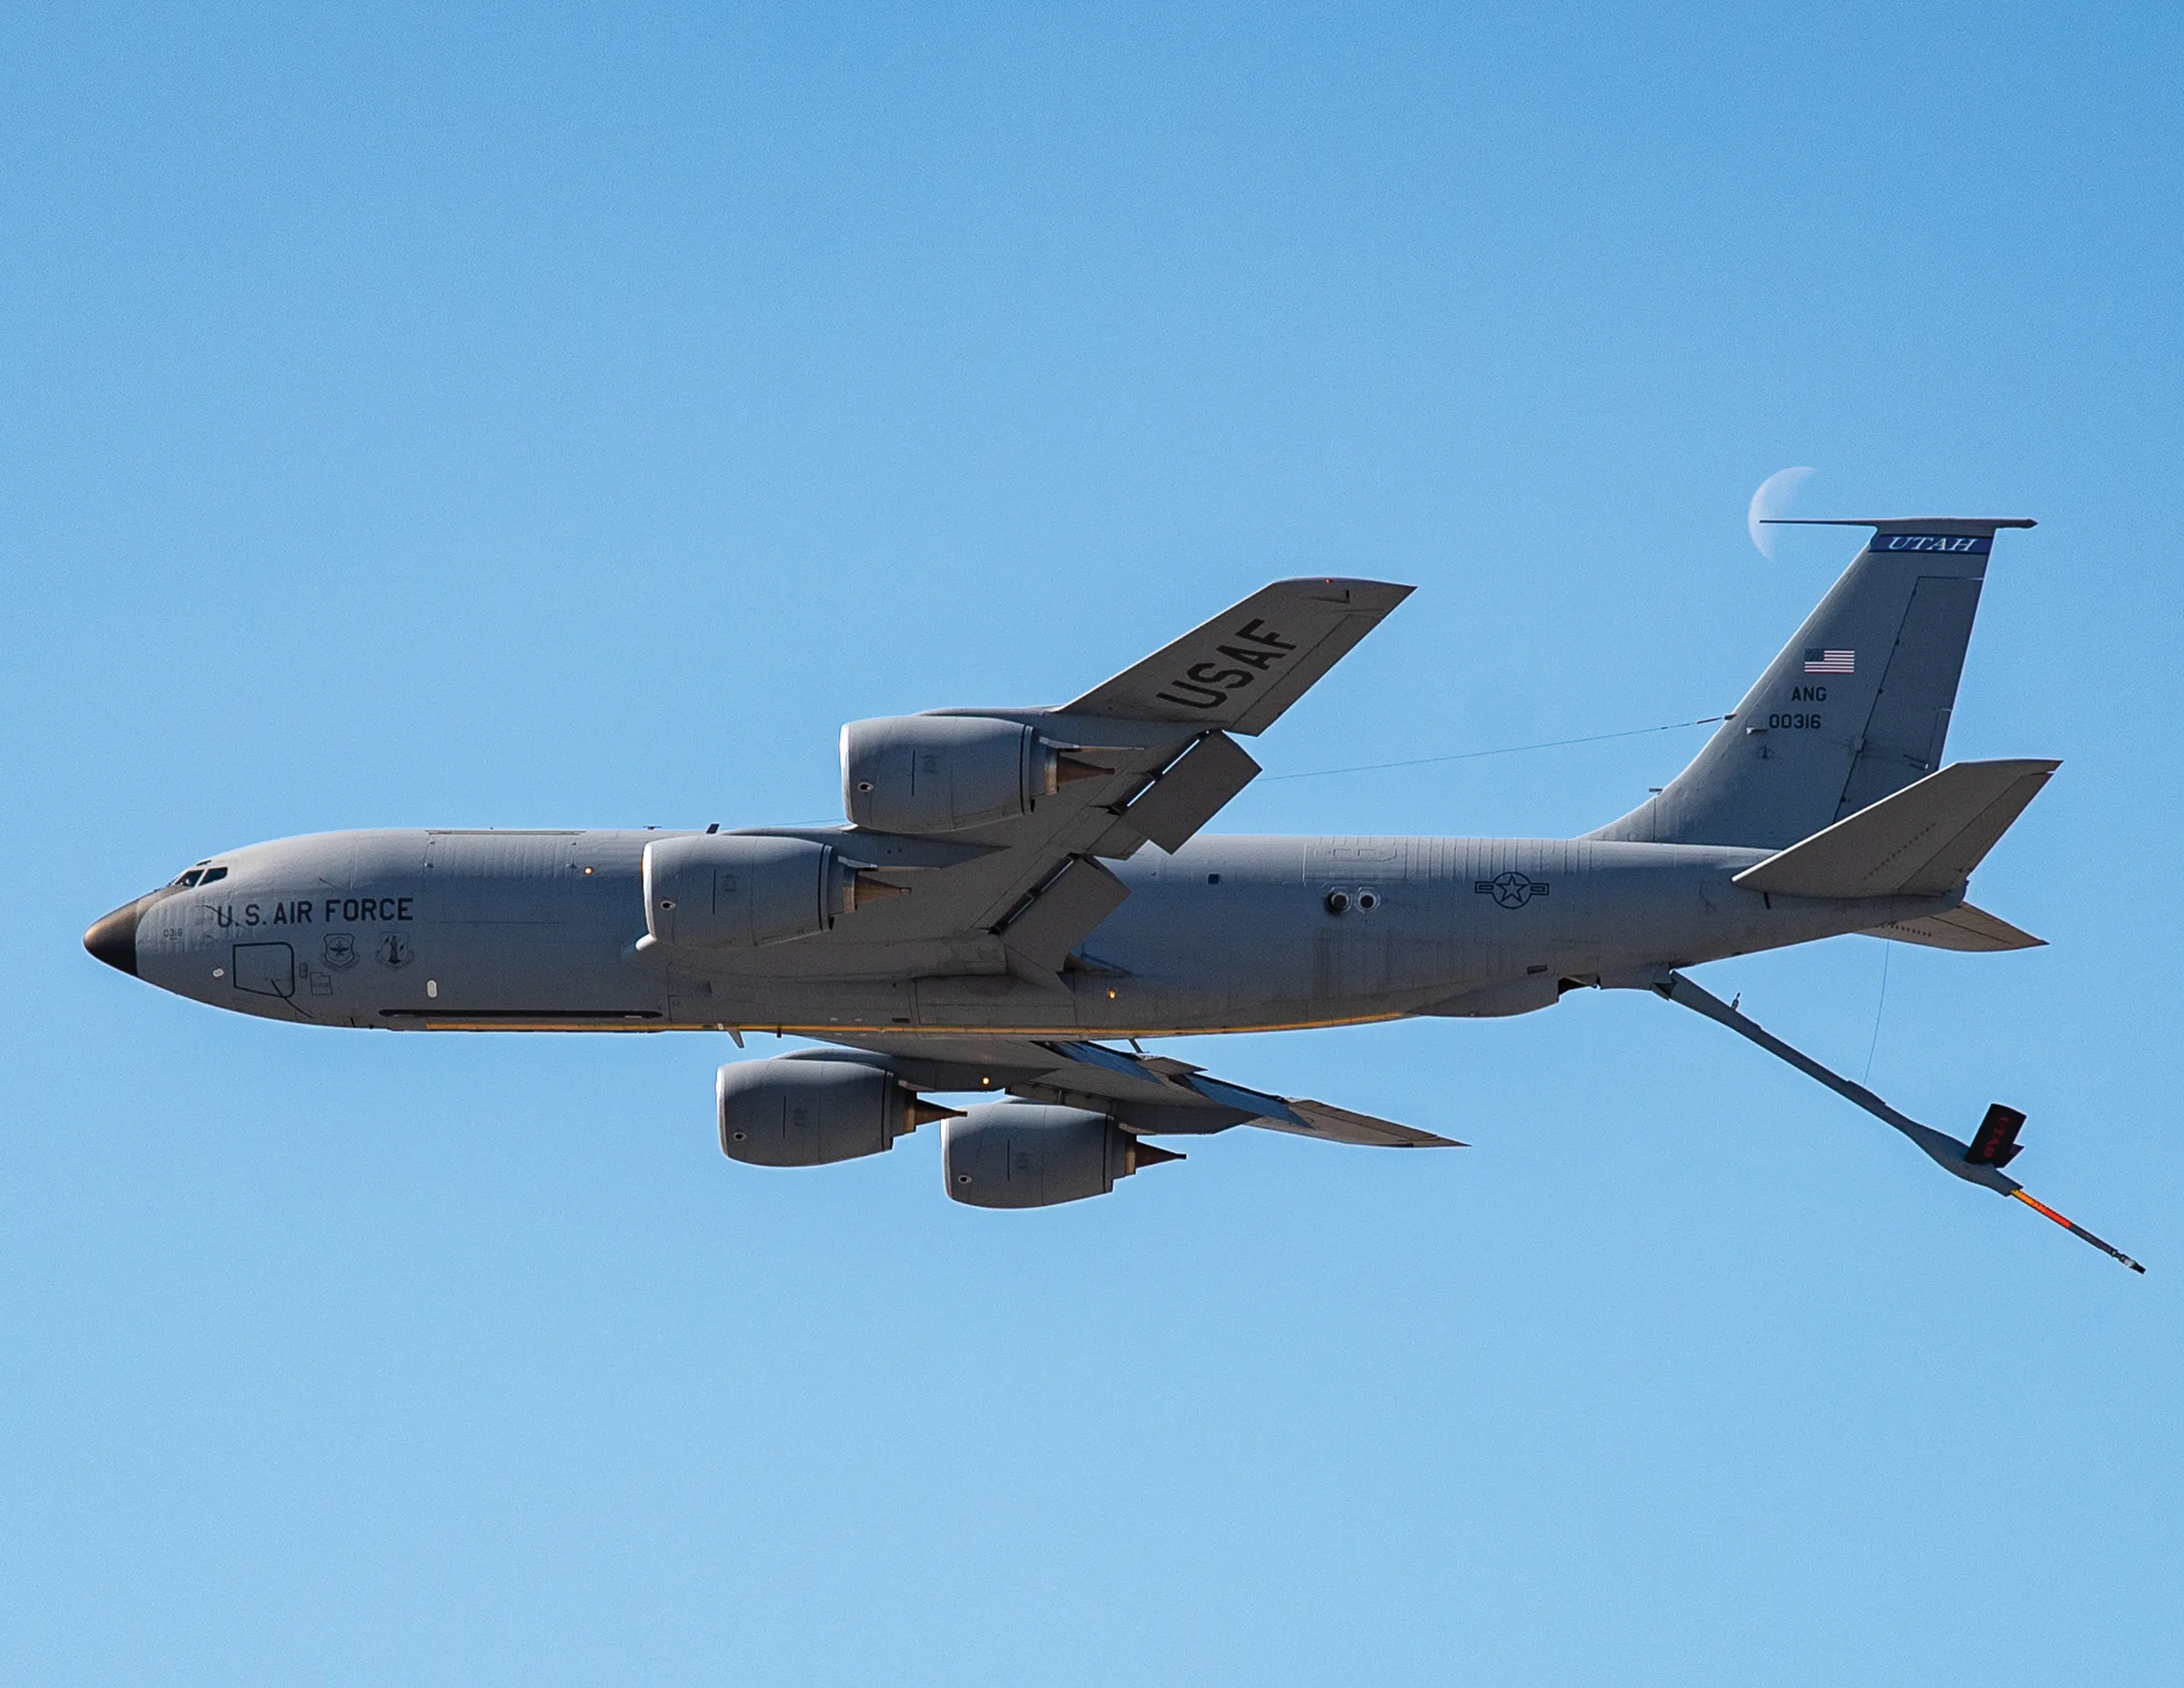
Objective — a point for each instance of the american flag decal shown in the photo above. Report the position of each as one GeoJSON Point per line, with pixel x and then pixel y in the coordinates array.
{"type": "Point", "coordinates": [1830, 661]}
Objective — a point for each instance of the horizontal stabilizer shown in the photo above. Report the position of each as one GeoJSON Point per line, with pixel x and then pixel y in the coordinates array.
{"type": "Point", "coordinates": [1963, 927]}
{"type": "Point", "coordinates": [1924, 841]}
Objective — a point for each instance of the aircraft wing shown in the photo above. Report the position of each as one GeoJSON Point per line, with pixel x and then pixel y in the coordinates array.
{"type": "Point", "coordinates": [1149, 1094]}
{"type": "Point", "coordinates": [1151, 761]}
{"type": "Point", "coordinates": [1243, 668]}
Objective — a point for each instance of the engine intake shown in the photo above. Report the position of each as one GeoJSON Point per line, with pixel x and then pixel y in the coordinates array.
{"type": "Point", "coordinates": [1030, 1155]}
{"type": "Point", "coordinates": [732, 891]}
{"type": "Point", "coordinates": [947, 773]}
{"type": "Point", "coordinates": [792, 1113]}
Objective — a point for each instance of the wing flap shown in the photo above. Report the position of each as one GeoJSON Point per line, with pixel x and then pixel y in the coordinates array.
{"type": "Point", "coordinates": [1185, 798]}
{"type": "Point", "coordinates": [1063, 913]}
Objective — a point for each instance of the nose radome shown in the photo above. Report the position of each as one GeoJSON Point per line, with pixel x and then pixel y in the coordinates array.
{"type": "Point", "coordinates": [113, 939]}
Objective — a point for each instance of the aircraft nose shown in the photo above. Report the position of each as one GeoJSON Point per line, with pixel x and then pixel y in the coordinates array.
{"type": "Point", "coordinates": [113, 939]}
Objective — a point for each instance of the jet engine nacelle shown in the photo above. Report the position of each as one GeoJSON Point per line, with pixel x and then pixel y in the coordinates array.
{"type": "Point", "coordinates": [947, 773]}
{"type": "Point", "coordinates": [792, 1113]}
{"type": "Point", "coordinates": [1029, 1155]}
{"type": "Point", "coordinates": [731, 891]}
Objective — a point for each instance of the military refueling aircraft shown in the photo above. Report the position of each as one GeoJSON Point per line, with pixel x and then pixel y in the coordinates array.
{"type": "Point", "coordinates": [991, 920]}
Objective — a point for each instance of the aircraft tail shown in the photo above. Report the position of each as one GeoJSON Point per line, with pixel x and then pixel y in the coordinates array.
{"type": "Point", "coordinates": [1855, 707]}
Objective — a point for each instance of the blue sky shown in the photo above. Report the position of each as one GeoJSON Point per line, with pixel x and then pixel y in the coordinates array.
{"type": "Point", "coordinates": [548, 417]}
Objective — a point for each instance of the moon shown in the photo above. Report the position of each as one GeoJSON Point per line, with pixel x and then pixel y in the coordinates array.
{"type": "Point", "coordinates": [1772, 499]}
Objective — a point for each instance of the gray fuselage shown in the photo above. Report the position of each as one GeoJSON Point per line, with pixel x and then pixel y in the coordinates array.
{"type": "Point", "coordinates": [468, 930]}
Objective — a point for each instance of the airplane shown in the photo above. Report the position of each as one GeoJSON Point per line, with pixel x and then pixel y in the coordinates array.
{"type": "Point", "coordinates": [1015, 893]}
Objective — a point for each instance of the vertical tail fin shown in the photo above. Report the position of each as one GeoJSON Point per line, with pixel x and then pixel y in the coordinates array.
{"type": "Point", "coordinates": [1855, 707]}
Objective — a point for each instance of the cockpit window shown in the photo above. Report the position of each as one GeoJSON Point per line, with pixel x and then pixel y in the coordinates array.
{"type": "Point", "coordinates": [199, 876]}
{"type": "Point", "coordinates": [190, 878]}
{"type": "Point", "coordinates": [213, 875]}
